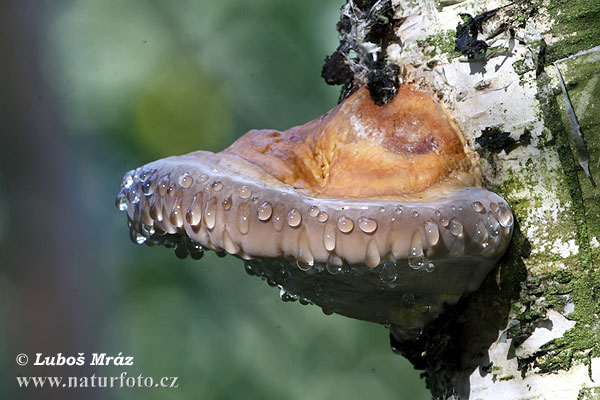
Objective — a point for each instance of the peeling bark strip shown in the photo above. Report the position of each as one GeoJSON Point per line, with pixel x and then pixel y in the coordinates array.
{"type": "Point", "coordinates": [533, 330]}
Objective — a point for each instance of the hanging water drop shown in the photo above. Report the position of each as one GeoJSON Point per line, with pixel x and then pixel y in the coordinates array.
{"type": "Point", "coordinates": [456, 228]}
{"type": "Point", "coordinates": [121, 200]}
{"type": "Point", "coordinates": [210, 213]}
{"type": "Point", "coordinates": [408, 300]}
{"type": "Point", "coordinates": [429, 266]}
{"type": "Point", "coordinates": [334, 264]}
{"type": "Point", "coordinates": [139, 238]}
{"type": "Point", "coordinates": [244, 192]}
{"type": "Point", "coordinates": [505, 217]}
{"type": "Point", "coordinates": [389, 273]}
{"type": "Point", "coordinates": [217, 186]}
{"type": "Point", "coordinates": [322, 216]}
{"type": "Point", "coordinates": [194, 213]}
{"type": "Point", "coordinates": [264, 211]}
{"type": "Point", "coordinates": [367, 225]}
{"type": "Point", "coordinates": [345, 224]}
{"type": "Point", "coordinates": [329, 236]}
{"type": "Point", "coordinates": [243, 218]}
{"type": "Point", "coordinates": [416, 258]}
{"type": "Point", "coordinates": [313, 211]}
{"type": "Point", "coordinates": [185, 180]}
{"type": "Point", "coordinates": [278, 217]}
{"type": "Point", "coordinates": [294, 218]}
{"type": "Point", "coordinates": [492, 225]}
{"type": "Point", "coordinates": [477, 206]}
{"type": "Point", "coordinates": [227, 203]}
{"type": "Point", "coordinates": [304, 258]}
{"type": "Point", "coordinates": [432, 233]}
{"type": "Point", "coordinates": [163, 185]}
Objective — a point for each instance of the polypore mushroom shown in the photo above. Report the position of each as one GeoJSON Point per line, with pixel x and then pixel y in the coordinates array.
{"type": "Point", "coordinates": [373, 212]}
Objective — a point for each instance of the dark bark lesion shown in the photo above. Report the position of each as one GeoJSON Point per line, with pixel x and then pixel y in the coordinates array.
{"type": "Point", "coordinates": [366, 29]}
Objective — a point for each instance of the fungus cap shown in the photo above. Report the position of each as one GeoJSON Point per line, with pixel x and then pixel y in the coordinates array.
{"type": "Point", "coordinates": [373, 212]}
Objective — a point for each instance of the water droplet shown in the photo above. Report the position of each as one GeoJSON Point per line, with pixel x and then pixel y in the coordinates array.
{"type": "Point", "coordinates": [194, 213]}
{"type": "Point", "coordinates": [244, 192]}
{"type": "Point", "coordinates": [367, 225]}
{"type": "Point", "coordinates": [345, 224]}
{"type": "Point", "coordinates": [228, 243]}
{"type": "Point", "coordinates": [480, 235]}
{"type": "Point", "coordinates": [140, 239]}
{"type": "Point", "coordinates": [432, 233]}
{"type": "Point", "coordinates": [322, 216]}
{"type": "Point", "coordinates": [334, 264]}
{"type": "Point", "coordinates": [287, 296]}
{"type": "Point", "coordinates": [210, 213]}
{"type": "Point", "coordinates": [278, 217]}
{"type": "Point", "coordinates": [203, 178]}
{"type": "Point", "coordinates": [444, 222]}
{"type": "Point", "coordinates": [176, 217]}
{"type": "Point", "coordinates": [243, 218]}
{"type": "Point", "coordinates": [217, 186]}
{"type": "Point", "coordinates": [438, 213]}
{"type": "Point", "coordinates": [128, 179]}
{"type": "Point", "coordinates": [171, 190]}
{"type": "Point", "coordinates": [505, 217]}
{"type": "Point", "coordinates": [147, 174]}
{"type": "Point", "coordinates": [156, 208]}
{"type": "Point", "coordinates": [304, 301]}
{"type": "Point", "coordinates": [492, 225]}
{"type": "Point", "coordinates": [381, 209]}
{"type": "Point", "coordinates": [458, 247]}
{"type": "Point", "coordinates": [327, 311]}
{"type": "Point", "coordinates": [399, 210]}
{"type": "Point", "coordinates": [264, 211]}
{"type": "Point", "coordinates": [149, 186]}
{"type": "Point", "coordinates": [372, 258]}
{"type": "Point", "coordinates": [453, 208]}
{"type": "Point", "coordinates": [227, 203]}
{"type": "Point", "coordinates": [163, 185]}
{"type": "Point", "coordinates": [133, 195]}
{"type": "Point", "coordinates": [249, 270]}
{"type": "Point", "coordinates": [477, 206]}
{"type": "Point", "coordinates": [304, 257]}
{"type": "Point", "coordinates": [423, 306]}
{"type": "Point", "coordinates": [180, 251]}
{"type": "Point", "coordinates": [185, 180]}
{"type": "Point", "coordinates": [329, 236]}
{"type": "Point", "coordinates": [121, 200]}
{"type": "Point", "coordinates": [255, 200]}
{"type": "Point", "coordinates": [494, 207]}
{"type": "Point", "coordinates": [415, 214]}
{"type": "Point", "coordinates": [294, 218]}
{"type": "Point", "coordinates": [389, 272]}
{"type": "Point", "coordinates": [313, 211]}
{"type": "Point", "coordinates": [456, 228]}
{"type": "Point", "coordinates": [408, 300]}
{"type": "Point", "coordinates": [429, 266]}
{"type": "Point", "coordinates": [195, 249]}
{"type": "Point", "coordinates": [416, 258]}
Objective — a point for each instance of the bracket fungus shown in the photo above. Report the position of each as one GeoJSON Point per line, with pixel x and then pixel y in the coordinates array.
{"type": "Point", "coordinates": [373, 212]}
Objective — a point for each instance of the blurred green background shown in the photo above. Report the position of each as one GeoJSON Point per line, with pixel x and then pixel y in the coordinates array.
{"type": "Point", "coordinates": [93, 88]}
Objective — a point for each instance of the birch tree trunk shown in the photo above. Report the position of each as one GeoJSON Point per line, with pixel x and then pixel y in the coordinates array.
{"type": "Point", "coordinates": [532, 330]}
